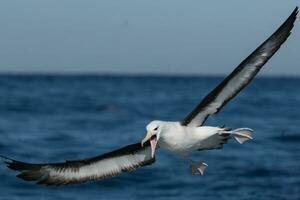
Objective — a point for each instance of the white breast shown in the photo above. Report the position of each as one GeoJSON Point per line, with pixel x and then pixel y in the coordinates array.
{"type": "Point", "coordinates": [183, 139]}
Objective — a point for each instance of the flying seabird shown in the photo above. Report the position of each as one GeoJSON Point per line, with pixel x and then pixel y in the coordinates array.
{"type": "Point", "coordinates": [180, 137]}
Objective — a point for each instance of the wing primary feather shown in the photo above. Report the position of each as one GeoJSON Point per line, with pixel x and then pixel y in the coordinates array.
{"type": "Point", "coordinates": [111, 164]}
{"type": "Point", "coordinates": [241, 75]}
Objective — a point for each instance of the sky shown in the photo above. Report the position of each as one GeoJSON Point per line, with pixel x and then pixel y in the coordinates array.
{"type": "Point", "coordinates": [172, 37]}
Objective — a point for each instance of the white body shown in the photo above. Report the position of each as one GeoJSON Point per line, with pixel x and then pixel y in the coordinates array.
{"type": "Point", "coordinates": [184, 139]}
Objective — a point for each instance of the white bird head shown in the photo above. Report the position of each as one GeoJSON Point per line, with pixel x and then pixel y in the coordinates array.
{"type": "Point", "coordinates": [154, 130]}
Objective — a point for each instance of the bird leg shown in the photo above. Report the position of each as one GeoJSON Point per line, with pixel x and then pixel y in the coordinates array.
{"type": "Point", "coordinates": [196, 167]}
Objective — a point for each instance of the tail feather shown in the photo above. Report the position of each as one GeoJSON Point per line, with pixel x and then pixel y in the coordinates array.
{"type": "Point", "coordinates": [241, 135]}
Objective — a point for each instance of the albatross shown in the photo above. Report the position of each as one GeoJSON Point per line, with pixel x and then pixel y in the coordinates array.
{"type": "Point", "coordinates": [181, 137]}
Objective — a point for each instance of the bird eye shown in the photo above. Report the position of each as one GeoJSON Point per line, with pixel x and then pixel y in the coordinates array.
{"type": "Point", "coordinates": [155, 129]}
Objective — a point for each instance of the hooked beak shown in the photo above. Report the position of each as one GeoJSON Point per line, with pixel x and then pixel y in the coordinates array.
{"type": "Point", "coordinates": [153, 142]}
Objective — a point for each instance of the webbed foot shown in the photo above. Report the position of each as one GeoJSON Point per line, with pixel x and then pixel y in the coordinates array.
{"type": "Point", "coordinates": [198, 168]}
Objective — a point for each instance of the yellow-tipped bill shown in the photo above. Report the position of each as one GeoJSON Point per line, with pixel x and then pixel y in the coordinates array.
{"type": "Point", "coordinates": [153, 142]}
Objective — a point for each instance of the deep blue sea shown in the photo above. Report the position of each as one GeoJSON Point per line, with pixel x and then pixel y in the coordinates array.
{"type": "Point", "coordinates": [54, 118]}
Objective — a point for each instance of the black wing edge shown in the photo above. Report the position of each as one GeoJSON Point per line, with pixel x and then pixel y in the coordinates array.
{"type": "Point", "coordinates": [31, 171]}
{"type": "Point", "coordinates": [281, 34]}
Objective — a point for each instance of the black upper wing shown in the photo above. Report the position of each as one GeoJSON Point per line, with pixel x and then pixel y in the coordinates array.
{"type": "Point", "coordinates": [241, 76]}
{"type": "Point", "coordinates": [126, 159]}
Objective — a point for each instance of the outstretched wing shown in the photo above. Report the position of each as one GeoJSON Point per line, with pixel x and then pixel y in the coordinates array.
{"type": "Point", "coordinates": [241, 76]}
{"type": "Point", "coordinates": [126, 159]}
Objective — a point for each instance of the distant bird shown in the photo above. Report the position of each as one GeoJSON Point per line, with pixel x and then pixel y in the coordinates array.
{"type": "Point", "coordinates": [180, 137]}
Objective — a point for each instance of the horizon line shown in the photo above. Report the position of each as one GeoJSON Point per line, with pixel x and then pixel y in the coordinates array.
{"type": "Point", "coordinates": [101, 74]}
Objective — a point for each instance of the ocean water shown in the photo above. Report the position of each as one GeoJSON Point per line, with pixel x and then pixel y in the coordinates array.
{"type": "Point", "coordinates": [54, 118]}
